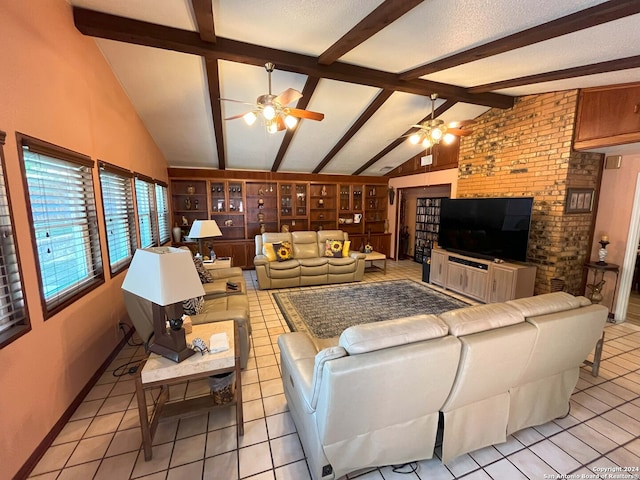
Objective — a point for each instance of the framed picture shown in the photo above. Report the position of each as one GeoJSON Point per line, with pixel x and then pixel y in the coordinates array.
{"type": "Point", "coordinates": [579, 200]}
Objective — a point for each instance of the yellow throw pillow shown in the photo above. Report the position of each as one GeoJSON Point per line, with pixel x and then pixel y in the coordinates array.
{"type": "Point", "coordinates": [269, 252]}
{"type": "Point", "coordinates": [345, 248]}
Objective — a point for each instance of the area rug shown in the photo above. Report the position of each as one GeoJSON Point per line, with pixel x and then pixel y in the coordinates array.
{"type": "Point", "coordinates": [325, 312]}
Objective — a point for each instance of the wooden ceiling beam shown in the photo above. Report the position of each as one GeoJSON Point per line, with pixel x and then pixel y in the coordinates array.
{"type": "Point", "coordinates": [438, 111]}
{"type": "Point", "coordinates": [373, 107]}
{"type": "Point", "coordinates": [589, 17]}
{"type": "Point", "coordinates": [213, 80]}
{"type": "Point", "coordinates": [102, 25]}
{"type": "Point", "coordinates": [307, 92]}
{"type": "Point", "coordinates": [385, 14]}
{"type": "Point", "coordinates": [203, 10]}
{"type": "Point", "coordinates": [593, 69]}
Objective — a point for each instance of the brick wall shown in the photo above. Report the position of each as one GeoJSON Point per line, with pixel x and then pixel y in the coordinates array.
{"type": "Point", "coordinates": [526, 151]}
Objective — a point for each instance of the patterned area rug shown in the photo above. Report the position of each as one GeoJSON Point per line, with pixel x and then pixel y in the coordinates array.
{"type": "Point", "coordinates": [325, 312]}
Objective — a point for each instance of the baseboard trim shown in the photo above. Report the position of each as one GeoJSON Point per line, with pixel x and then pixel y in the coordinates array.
{"type": "Point", "coordinates": [42, 448]}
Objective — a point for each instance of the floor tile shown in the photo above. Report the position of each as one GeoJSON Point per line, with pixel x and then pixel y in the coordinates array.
{"type": "Point", "coordinates": [90, 449]}
{"type": "Point", "coordinates": [286, 449]}
{"type": "Point", "coordinates": [504, 469]}
{"type": "Point", "coordinates": [531, 465]}
{"type": "Point", "coordinates": [54, 458]}
{"type": "Point", "coordinates": [221, 441]}
{"type": "Point", "coordinates": [575, 447]}
{"type": "Point", "coordinates": [72, 431]}
{"type": "Point", "coordinates": [118, 467]}
{"type": "Point", "coordinates": [188, 450]}
{"type": "Point", "coordinates": [554, 456]}
{"type": "Point", "coordinates": [254, 459]}
{"type": "Point", "coordinates": [221, 466]}
{"type": "Point", "coordinates": [189, 471]}
{"type": "Point", "coordinates": [77, 472]}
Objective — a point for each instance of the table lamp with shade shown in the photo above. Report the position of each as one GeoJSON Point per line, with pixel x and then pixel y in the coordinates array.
{"type": "Point", "coordinates": [165, 276]}
{"type": "Point", "coordinates": [205, 229]}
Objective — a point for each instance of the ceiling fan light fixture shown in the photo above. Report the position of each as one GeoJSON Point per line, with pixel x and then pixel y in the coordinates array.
{"type": "Point", "coordinates": [414, 139]}
{"type": "Point", "coordinates": [436, 134]}
{"type": "Point", "coordinates": [449, 138]}
{"type": "Point", "coordinates": [272, 127]}
{"type": "Point", "coordinates": [426, 142]}
{"type": "Point", "coordinates": [250, 118]}
{"type": "Point", "coordinates": [290, 121]}
{"type": "Point", "coordinates": [269, 112]}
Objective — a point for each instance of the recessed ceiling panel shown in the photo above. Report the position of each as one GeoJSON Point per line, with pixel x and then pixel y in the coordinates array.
{"type": "Point", "coordinates": [342, 103]}
{"type": "Point", "coordinates": [251, 146]}
{"type": "Point", "coordinates": [436, 29]}
{"type": "Point", "coordinates": [308, 26]}
{"type": "Point", "coordinates": [390, 122]}
{"type": "Point", "coordinates": [170, 93]}
{"type": "Point", "coordinates": [587, 48]}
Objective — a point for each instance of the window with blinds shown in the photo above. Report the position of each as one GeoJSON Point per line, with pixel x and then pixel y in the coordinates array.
{"type": "Point", "coordinates": [64, 222]}
{"type": "Point", "coordinates": [14, 320]}
{"type": "Point", "coordinates": [162, 206]}
{"type": "Point", "coordinates": [119, 215]}
{"type": "Point", "coordinates": [146, 206]}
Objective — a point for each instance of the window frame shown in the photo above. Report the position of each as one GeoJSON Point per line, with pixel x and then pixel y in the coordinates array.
{"type": "Point", "coordinates": [52, 306]}
{"type": "Point", "coordinates": [23, 325]}
{"type": "Point", "coordinates": [107, 168]}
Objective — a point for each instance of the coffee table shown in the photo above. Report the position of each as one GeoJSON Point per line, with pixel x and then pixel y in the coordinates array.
{"type": "Point", "coordinates": [158, 371]}
{"type": "Point", "coordinates": [377, 256]}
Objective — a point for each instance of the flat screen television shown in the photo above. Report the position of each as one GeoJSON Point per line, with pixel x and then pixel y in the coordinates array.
{"type": "Point", "coordinates": [488, 228]}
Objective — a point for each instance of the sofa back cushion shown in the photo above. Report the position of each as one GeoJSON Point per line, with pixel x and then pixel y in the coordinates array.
{"type": "Point", "coordinates": [478, 318]}
{"type": "Point", "coordinates": [546, 303]}
{"type": "Point", "coordinates": [374, 336]}
{"type": "Point", "coordinates": [304, 244]}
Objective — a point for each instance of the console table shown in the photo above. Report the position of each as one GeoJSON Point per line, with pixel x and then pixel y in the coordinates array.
{"type": "Point", "coordinates": [377, 256]}
{"type": "Point", "coordinates": [158, 371]}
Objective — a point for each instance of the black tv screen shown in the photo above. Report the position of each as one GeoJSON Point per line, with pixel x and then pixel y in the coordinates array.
{"type": "Point", "coordinates": [489, 228]}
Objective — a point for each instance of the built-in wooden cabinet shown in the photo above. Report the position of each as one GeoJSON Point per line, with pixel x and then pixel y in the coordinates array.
{"type": "Point", "coordinates": [244, 204]}
{"type": "Point", "coordinates": [482, 280]}
{"type": "Point", "coordinates": [608, 116]}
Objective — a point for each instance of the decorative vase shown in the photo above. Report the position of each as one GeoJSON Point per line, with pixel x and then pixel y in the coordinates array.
{"type": "Point", "coordinates": [386, 225]}
{"type": "Point", "coordinates": [191, 189]}
{"type": "Point", "coordinates": [262, 228]}
{"type": "Point", "coordinates": [177, 234]}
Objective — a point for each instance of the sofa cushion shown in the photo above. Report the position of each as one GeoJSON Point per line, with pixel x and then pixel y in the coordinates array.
{"type": "Point", "coordinates": [545, 304]}
{"type": "Point", "coordinates": [369, 337]}
{"type": "Point", "coordinates": [283, 251]}
{"type": "Point", "coordinates": [333, 248]}
{"type": "Point", "coordinates": [478, 318]}
{"type": "Point", "coordinates": [269, 252]}
{"type": "Point", "coordinates": [305, 244]}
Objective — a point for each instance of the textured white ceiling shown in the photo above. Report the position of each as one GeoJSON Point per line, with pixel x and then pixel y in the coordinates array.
{"type": "Point", "coordinates": [170, 92]}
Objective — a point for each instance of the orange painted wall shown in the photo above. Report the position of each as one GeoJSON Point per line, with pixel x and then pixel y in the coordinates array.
{"type": "Point", "coordinates": [55, 85]}
{"type": "Point", "coordinates": [614, 215]}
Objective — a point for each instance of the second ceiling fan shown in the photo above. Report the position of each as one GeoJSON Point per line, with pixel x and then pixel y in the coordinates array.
{"type": "Point", "coordinates": [273, 109]}
{"type": "Point", "coordinates": [432, 131]}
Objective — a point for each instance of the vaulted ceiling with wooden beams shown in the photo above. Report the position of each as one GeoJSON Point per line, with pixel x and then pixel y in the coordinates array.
{"type": "Point", "coordinates": [370, 66]}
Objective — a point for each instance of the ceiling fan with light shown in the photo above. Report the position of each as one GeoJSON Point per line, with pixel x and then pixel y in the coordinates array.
{"type": "Point", "coordinates": [273, 109]}
{"type": "Point", "coordinates": [433, 131]}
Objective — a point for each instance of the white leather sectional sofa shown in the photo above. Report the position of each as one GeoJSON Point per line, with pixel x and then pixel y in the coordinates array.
{"type": "Point", "coordinates": [483, 372]}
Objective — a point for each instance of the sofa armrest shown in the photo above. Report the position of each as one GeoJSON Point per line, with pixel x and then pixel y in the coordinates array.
{"type": "Point", "coordinates": [222, 273]}
{"type": "Point", "coordinates": [260, 260]}
{"type": "Point", "coordinates": [357, 255]}
{"type": "Point", "coordinates": [305, 365]}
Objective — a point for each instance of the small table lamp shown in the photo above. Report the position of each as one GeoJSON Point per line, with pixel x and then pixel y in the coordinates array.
{"type": "Point", "coordinates": [205, 229]}
{"type": "Point", "coordinates": [165, 276]}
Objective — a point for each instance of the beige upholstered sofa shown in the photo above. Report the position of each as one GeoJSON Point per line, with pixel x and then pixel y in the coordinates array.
{"type": "Point", "coordinates": [486, 371]}
{"type": "Point", "coordinates": [308, 265]}
{"type": "Point", "coordinates": [218, 306]}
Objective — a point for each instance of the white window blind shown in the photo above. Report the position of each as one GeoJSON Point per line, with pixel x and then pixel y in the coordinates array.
{"type": "Point", "coordinates": [119, 215]}
{"type": "Point", "coordinates": [162, 206]}
{"type": "Point", "coordinates": [64, 222]}
{"type": "Point", "coordinates": [147, 222]}
{"type": "Point", "coordinates": [13, 314]}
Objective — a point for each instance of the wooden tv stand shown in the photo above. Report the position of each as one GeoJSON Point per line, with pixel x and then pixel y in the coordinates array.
{"type": "Point", "coordinates": [483, 280]}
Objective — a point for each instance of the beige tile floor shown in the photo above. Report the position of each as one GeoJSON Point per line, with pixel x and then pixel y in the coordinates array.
{"type": "Point", "coordinates": [102, 439]}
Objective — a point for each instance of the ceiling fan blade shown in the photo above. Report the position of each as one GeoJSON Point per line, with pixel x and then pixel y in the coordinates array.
{"type": "Point", "coordinates": [296, 112]}
{"type": "Point", "coordinates": [288, 96]}
{"type": "Point", "coordinates": [458, 132]}
{"type": "Point", "coordinates": [236, 101]}
{"type": "Point", "coordinates": [236, 116]}
{"type": "Point", "coordinates": [280, 123]}
{"type": "Point", "coordinates": [461, 123]}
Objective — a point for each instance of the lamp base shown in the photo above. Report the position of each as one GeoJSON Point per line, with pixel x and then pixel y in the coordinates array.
{"type": "Point", "coordinates": [172, 346]}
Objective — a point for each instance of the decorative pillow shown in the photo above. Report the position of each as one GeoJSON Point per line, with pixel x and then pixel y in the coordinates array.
{"type": "Point", "coordinates": [346, 247]}
{"type": "Point", "coordinates": [283, 251]}
{"type": "Point", "coordinates": [333, 248]}
{"type": "Point", "coordinates": [203, 273]}
{"type": "Point", "coordinates": [269, 252]}
{"type": "Point", "coordinates": [193, 306]}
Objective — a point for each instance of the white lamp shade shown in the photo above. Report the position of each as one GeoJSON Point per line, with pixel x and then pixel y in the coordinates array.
{"type": "Point", "coordinates": [163, 275]}
{"type": "Point", "coordinates": [204, 229]}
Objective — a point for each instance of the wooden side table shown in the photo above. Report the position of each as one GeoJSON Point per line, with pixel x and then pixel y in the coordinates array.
{"type": "Point", "coordinates": [221, 262]}
{"type": "Point", "coordinates": [161, 372]}
{"type": "Point", "coordinates": [377, 256]}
